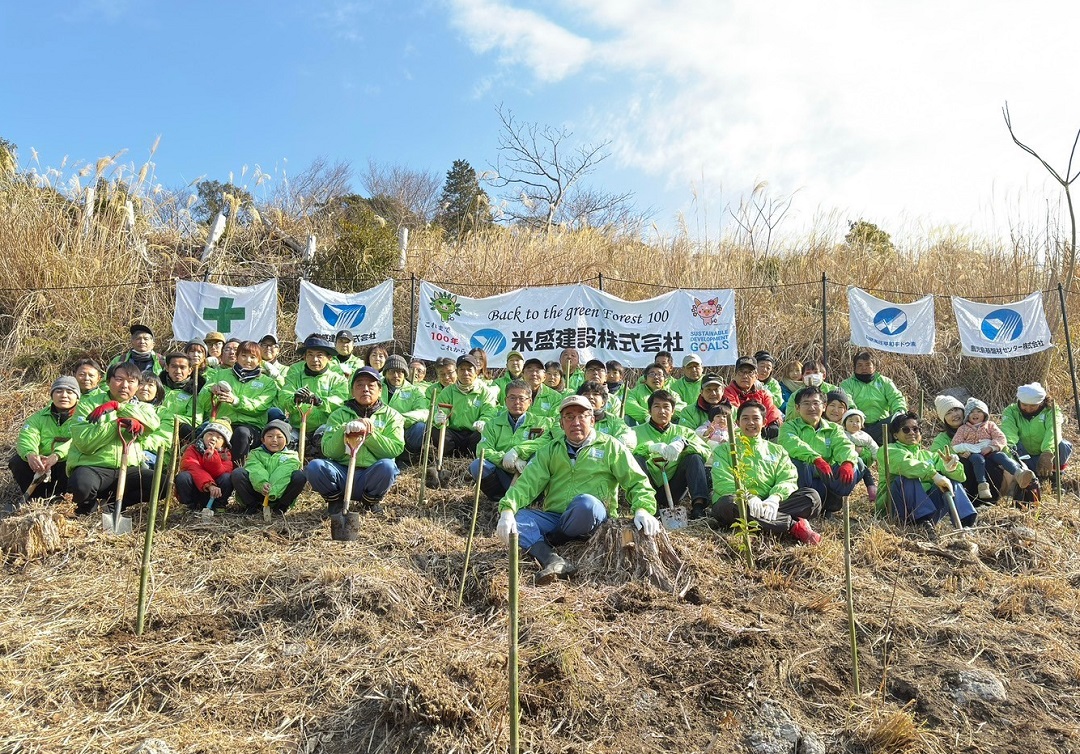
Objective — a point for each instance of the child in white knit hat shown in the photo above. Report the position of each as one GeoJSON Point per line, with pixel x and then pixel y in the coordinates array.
{"type": "Point", "coordinates": [853, 422]}
{"type": "Point", "coordinates": [984, 440]}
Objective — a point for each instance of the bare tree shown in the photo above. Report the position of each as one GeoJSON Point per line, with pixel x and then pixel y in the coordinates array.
{"type": "Point", "coordinates": [1065, 182]}
{"type": "Point", "coordinates": [319, 183]}
{"type": "Point", "coordinates": [406, 197]}
{"type": "Point", "coordinates": [758, 216]}
{"type": "Point", "coordinates": [541, 171]}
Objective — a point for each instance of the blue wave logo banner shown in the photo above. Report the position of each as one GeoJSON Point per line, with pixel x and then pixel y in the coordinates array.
{"type": "Point", "coordinates": [344, 316]}
{"type": "Point", "coordinates": [891, 321]}
{"type": "Point", "coordinates": [1002, 325]}
{"type": "Point", "coordinates": [492, 341]}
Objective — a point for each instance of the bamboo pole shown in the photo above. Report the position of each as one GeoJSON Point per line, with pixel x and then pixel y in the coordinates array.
{"type": "Point", "coordinates": [425, 451]}
{"type": "Point", "coordinates": [740, 497]}
{"type": "Point", "coordinates": [148, 544]}
{"type": "Point", "coordinates": [850, 598]}
{"type": "Point", "coordinates": [515, 710]}
{"type": "Point", "coordinates": [472, 529]}
{"type": "Point", "coordinates": [174, 464]}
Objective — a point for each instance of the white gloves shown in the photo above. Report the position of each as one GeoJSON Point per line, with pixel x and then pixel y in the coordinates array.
{"type": "Point", "coordinates": [520, 464]}
{"type": "Point", "coordinates": [441, 417]}
{"type": "Point", "coordinates": [507, 526]}
{"type": "Point", "coordinates": [671, 451]}
{"type": "Point", "coordinates": [953, 460]}
{"type": "Point", "coordinates": [942, 482]}
{"type": "Point", "coordinates": [356, 428]}
{"type": "Point", "coordinates": [478, 425]}
{"type": "Point", "coordinates": [212, 361]}
{"type": "Point", "coordinates": [509, 460]}
{"type": "Point", "coordinates": [755, 507]}
{"type": "Point", "coordinates": [771, 506]}
{"type": "Point", "coordinates": [647, 523]}
{"type": "Point", "coordinates": [656, 448]}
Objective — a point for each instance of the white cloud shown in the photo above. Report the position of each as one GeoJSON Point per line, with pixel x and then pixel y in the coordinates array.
{"type": "Point", "coordinates": [885, 110]}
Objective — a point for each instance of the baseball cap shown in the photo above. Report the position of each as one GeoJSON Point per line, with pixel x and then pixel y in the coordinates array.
{"type": "Point", "coordinates": [215, 336]}
{"type": "Point", "coordinates": [512, 354]}
{"type": "Point", "coordinates": [268, 339]}
{"type": "Point", "coordinates": [692, 358]}
{"type": "Point", "coordinates": [137, 328]}
{"type": "Point", "coordinates": [468, 359]}
{"type": "Point", "coordinates": [575, 400]}
{"type": "Point", "coordinates": [533, 362]}
{"type": "Point", "coordinates": [595, 363]}
{"type": "Point", "coordinates": [764, 356]}
{"type": "Point", "coordinates": [366, 372]}
{"type": "Point", "coordinates": [745, 362]}
{"type": "Point", "coordinates": [344, 334]}
{"type": "Point", "coordinates": [711, 379]}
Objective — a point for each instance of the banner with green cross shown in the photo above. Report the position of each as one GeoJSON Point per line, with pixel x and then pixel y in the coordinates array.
{"type": "Point", "coordinates": [245, 313]}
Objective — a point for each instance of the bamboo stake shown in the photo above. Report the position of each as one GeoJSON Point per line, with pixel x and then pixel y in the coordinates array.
{"type": "Point", "coordinates": [515, 711]}
{"type": "Point", "coordinates": [850, 598]}
{"type": "Point", "coordinates": [472, 529]}
{"type": "Point", "coordinates": [740, 497]}
{"type": "Point", "coordinates": [885, 456]}
{"type": "Point", "coordinates": [148, 544]}
{"type": "Point", "coordinates": [425, 451]}
{"type": "Point", "coordinates": [174, 463]}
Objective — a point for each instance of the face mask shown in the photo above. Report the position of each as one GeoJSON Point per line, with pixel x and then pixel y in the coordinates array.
{"type": "Point", "coordinates": [813, 379]}
{"type": "Point", "coordinates": [864, 378]}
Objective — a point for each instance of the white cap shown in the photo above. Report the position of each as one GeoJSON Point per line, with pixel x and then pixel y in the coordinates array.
{"type": "Point", "coordinates": [575, 400]}
{"type": "Point", "coordinates": [1031, 393]}
{"type": "Point", "coordinates": [691, 359]}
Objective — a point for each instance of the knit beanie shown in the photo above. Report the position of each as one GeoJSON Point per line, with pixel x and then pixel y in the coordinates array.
{"type": "Point", "coordinates": [66, 382]}
{"type": "Point", "coordinates": [974, 404]}
{"type": "Point", "coordinates": [222, 426]}
{"type": "Point", "coordinates": [394, 361]}
{"type": "Point", "coordinates": [943, 404]}
{"type": "Point", "coordinates": [852, 412]}
{"type": "Point", "coordinates": [281, 426]}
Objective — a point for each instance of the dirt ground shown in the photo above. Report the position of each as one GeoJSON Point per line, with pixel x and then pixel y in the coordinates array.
{"type": "Point", "coordinates": [274, 638]}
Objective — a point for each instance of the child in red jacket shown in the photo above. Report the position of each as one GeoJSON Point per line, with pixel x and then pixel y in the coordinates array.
{"type": "Point", "coordinates": [205, 468]}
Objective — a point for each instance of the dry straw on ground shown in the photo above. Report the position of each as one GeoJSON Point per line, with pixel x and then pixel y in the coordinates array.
{"type": "Point", "coordinates": [275, 638]}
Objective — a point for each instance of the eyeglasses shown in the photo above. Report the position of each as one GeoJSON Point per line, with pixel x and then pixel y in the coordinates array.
{"type": "Point", "coordinates": [909, 430]}
{"type": "Point", "coordinates": [811, 404]}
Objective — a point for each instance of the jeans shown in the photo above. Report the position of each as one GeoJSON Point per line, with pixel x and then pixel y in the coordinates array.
{"type": "Point", "coordinates": [327, 478]}
{"type": "Point", "coordinates": [911, 503]}
{"type": "Point", "coordinates": [580, 519]}
{"type": "Point", "coordinates": [1065, 450]}
{"type": "Point", "coordinates": [689, 475]}
{"type": "Point", "coordinates": [979, 463]}
{"type": "Point", "coordinates": [495, 482]}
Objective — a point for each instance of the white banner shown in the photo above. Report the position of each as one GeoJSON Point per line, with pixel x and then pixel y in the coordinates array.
{"type": "Point", "coordinates": [368, 314]}
{"type": "Point", "coordinates": [899, 328]}
{"type": "Point", "coordinates": [245, 313]}
{"type": "Point", "coordinates": [541, 322]}
{"type": "Point", "coordinates": [1002, 331]}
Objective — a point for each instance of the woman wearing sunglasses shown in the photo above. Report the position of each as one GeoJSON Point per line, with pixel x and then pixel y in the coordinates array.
{"type": "Point", "coordinates": [920, 478]}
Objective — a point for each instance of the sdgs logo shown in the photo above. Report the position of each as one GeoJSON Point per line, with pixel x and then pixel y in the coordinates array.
{"type": "Point", "coordinates": [492, 341]}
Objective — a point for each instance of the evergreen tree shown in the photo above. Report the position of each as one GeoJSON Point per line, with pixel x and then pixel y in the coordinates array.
{"type": "Point", "coordinates": [464, 207]}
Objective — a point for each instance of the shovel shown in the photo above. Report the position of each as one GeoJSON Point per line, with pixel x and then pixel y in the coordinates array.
{"type": "Point", "coordinates": [301, 446]}
{"type": "Point", "coordinates": [42, 477]}
{"type": "Point", "coordinates": [438, 477]}
{"type": "Point", "coordinates": [673, 517]}
{"type": "Point", "coordinates": [116, 522]}
{"type": "Point", "coordinates": [207, 513]}
{"type": "Point", "coordinates": [266, 506]}
{"type": "Point", "coordinates": [953, 514]}
{"type": "Point", "coordinates": [345, 526]}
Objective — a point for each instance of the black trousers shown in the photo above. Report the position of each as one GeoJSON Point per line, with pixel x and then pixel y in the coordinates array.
{"type": "Point", "coordinates": [243, 437]}
{"type": "Point", "coordinates": [88, 484]}
{"type": "Point", "coordinates": [689, 475]}
{"type": "Point", "coordinates": [191, 496]}
{"type": "Point", "coordinates": [24, 477]}
{"type": "Point", "coordinates": [803, 503]}
{"type": "Point", "coordinates": [459, 442]}
{"type": "Point", "coordinates": [252, 498]}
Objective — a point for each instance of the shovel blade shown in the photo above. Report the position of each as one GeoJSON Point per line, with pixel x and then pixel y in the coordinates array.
{"type": "Point", "coordinates": [673, 518]}
{"type": "Point", "coordinates": [345, 527]}
{"type": "Point", "coordinates": [206, 514]}
{"type": "Point", "coordinates": [118, 526]}
{"type": "Point", "coordinates": [266, 513]}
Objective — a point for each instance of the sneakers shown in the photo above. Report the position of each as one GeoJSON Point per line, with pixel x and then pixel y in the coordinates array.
{"type": "Point", "coordinates": [1025, 478]}
{"type": "Point", "coordinates": [801, 531]}
{"type": "Point", "coordinates": [984, 491]}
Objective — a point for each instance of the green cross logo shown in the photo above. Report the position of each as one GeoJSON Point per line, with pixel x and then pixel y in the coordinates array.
{"type": "Point", "coordinates": [224, 315]}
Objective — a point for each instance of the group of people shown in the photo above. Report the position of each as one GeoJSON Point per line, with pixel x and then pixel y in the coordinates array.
{"type": "Point", "coordinates": [555, 443]}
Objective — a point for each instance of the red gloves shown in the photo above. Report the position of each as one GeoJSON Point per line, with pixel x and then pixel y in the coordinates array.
{"type": "Point", "coordinates": [823, 468]}
{"type": "Point", "coordinates": [847, 472]}
{"type": "Point", "coordinates": [100, 411]}
{"type": "Point", "coordinates": [134, 426]}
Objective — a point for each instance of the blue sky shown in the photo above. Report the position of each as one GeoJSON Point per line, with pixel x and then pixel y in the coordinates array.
{"type": "Point", "coordinates": [885, 111]}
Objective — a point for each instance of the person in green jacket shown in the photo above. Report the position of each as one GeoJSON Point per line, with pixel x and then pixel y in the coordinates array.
{"type": "Point", "coordinates": [154, 444]}
{"type": "Point", "coordinates": [637, 400]}
{"type": "Point", "coordinates": [380, 431]}
{"type": "Point", "coordinates": [445, 376]}
{"type": "Point", "coordinates": [699, 413]}
{"type": "Point", "coordinates": [314, 386]}
{"type": "Point", "coordinates": [242, 394]}
{"type": "Point", "coordinates": [510, 438]}
{"type": "Point", "coordinates": [573, 374]}
{"type": "Point", "coordinates": [824, 456]}
{"type": "Point", "coordinates": [1029, 424]}
{"type": "Point", "coordinates": [95, 456]}
{"type": "Point", "coordinates": [688, 387]}
{"type": "Point", "coordinates": [919, 479]}
{"type": "Point", "coordinates": [87, 373]}
{"type": "Point", "coordinates": [874, 394]}
{"type": "Point", "coordinates": [578, 475]}
{"type": "Point", "coordinates": [554, 377]}
{"type": "Point", "coordinates": [182, 384]}
{"type": "Point", "coordinates": [770, 480]}
{"type": "Point", "coordinates": [515, 362]}
{"type": "Point", "coordinates": [141, 352]}
{"type": "Point", "coordinates": [270, 349]}
{"type": "Point", "coordinates": [464, 409]}
{"type": "Point", "coordinates": [813, 376]}
{"type": "Point", "coordinates": [661, 447]}
{"type": "Point", "coordinates": [418, 374]}
{"type": "Point", "coordinates": [344, 360]}
{"type": "Point", "coordinates": [271, 469]}
{"type": "Point", "coordinates": [596, 371]}
{"type": "Point", "coordinates": [43, 442]}
{"type": "Point", "coordinates": [409, 401]}
{"type": "Point", "coordinates": [765, 366]}
{"type": "Point", "coordinates": [607, 422]}
{"type": "Point", "coordinates": [545, 401]}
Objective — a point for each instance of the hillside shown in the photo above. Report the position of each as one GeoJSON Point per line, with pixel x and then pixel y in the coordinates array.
{"type": "Point", "coordinates": [273, 638]}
